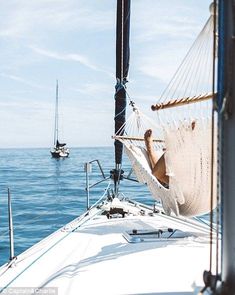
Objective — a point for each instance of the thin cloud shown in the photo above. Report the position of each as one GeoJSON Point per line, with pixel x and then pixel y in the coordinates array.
{"type": "Point", "coordinates": [71, 57]}
{"type": "Point", "coordinates": [166, 20]}
{"type": "Point", "coordinates": [65, 56]}
{"type": "Point", "coordinates": [94, 88]}
{"type": "Point", "coordinates": [21, 80]}
{"type": "Point", "coordinates": [157, 67]}
{"type": "Point", "coordinates": [24, 18]}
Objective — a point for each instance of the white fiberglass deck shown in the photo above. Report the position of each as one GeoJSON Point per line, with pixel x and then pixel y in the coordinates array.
{"type": "Point", "coordinates": [92, 255]}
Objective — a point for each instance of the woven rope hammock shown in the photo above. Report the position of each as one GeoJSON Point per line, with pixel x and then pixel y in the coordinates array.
{"type": "Point", "coordinates": [187, 150]}
{"type": "Point", "coordinates": [187, 154]}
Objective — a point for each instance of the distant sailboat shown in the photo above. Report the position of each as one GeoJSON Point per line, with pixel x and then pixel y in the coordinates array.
{"type": "Point", "coordinates": [59, 150]}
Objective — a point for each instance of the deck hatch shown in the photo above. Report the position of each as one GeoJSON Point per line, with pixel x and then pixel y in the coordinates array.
{"type": "Point", "coordinates": [163, 234]}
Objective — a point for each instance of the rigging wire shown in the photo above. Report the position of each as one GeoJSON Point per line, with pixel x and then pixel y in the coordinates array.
{"type": "Point", "coordinates": [212, 139]}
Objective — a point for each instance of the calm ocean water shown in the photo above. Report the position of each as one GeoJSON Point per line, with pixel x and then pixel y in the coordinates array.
{"type": "Point", "coordinates": [48, 193]}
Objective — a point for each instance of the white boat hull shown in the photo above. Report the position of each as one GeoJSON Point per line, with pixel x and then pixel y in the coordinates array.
{"type": "Point", "coordinates": [91, 255]}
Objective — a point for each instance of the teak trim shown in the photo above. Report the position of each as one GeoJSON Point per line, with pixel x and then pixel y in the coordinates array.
{"type": "Point", "coordinates": [182, 101]}
{"type": "Point", "coordinates": [134, 138]}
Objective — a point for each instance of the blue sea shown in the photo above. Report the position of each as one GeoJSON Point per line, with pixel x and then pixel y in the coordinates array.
{"type": "Point", "coordinates": [48, 193]}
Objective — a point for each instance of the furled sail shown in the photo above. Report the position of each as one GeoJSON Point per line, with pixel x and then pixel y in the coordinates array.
{"type": "Point", "coordinates": [58, 144]}
{"type": "Point", "coordinates": [185, 136]}
{"type": "Point", "coordinates": [122, 67]}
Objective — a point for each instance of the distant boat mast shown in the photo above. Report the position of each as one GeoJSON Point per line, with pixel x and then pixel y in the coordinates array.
{"type": "Point", "coordinates": [59, 150]}
{"type": "Point", "coordinates": [56, 115]}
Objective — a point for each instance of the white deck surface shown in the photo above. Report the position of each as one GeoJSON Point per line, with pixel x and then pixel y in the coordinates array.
{"type": "Point", "coordinates": [91, 256]}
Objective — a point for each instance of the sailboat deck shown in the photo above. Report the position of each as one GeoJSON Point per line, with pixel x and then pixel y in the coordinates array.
{"type": "Point", "coordinates": [92, 255]}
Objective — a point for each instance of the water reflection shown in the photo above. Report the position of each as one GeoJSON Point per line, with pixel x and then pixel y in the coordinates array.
{"type": "Point", "coordinates": [57, 174]}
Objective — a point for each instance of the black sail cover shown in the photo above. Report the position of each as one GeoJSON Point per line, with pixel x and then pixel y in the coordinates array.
{"type": "Point", "coordinates": [58, 144]}
{"type": "Point", "coordinates": [122, 68]}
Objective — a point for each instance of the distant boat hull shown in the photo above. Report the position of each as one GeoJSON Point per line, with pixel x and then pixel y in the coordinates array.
{"type": "Point", "coordinates": [60, 153]}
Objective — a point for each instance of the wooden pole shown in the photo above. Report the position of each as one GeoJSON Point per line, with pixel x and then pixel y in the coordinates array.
{"type": "Point", "coordinates": [134, 138]}
{"type": "Point", "coordinates": [181, 102]}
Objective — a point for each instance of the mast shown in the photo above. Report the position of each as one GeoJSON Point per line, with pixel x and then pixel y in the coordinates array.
{"type": "Point", "coordinates": [56, 115]}
{"type": "Point", "coordinates": [122, 68]}
{"type": "Point", "coordinates": [226, 107]}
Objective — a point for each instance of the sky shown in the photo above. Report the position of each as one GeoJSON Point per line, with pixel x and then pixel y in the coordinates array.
{"type": "Point", "coordinates": [74, 41]}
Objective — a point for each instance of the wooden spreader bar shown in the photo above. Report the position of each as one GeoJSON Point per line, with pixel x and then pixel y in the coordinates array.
{"type": "Point", "coordinates": [134, 138]}
{"type": "Point", "coordinates": [181, 102]}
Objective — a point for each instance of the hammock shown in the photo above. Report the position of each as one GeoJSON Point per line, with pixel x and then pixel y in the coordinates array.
{"type": "Point", "coordinates": [140, 164]}
{"type": "Point", "coordinates": [187, 148]}
{"type": "Point", "coordinates": [188, 162]}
